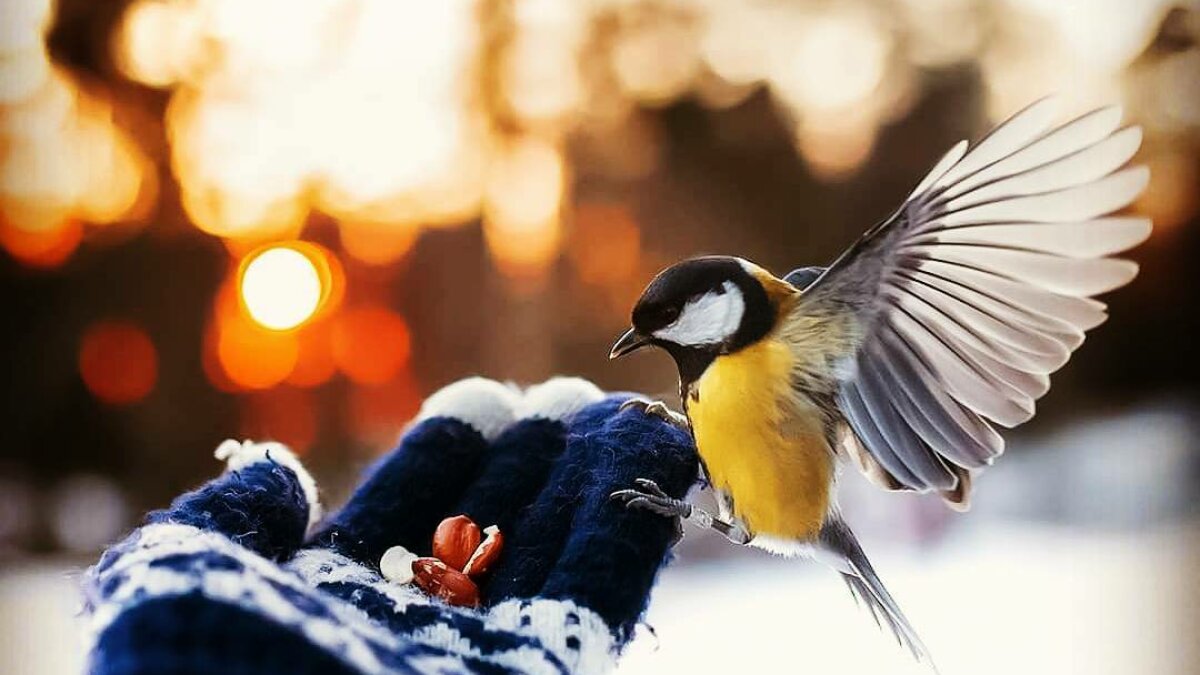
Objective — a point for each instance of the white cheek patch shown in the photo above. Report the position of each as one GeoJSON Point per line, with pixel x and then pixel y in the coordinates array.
{"type": "Point", "coordinates": [709, 319]}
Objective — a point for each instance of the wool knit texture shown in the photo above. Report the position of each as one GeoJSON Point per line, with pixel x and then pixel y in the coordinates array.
{"type": "Point", "coordinates": [226, 580]}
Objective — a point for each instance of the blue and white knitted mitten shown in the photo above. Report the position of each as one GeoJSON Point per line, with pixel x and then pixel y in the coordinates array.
{"type": "Point", "coordinates": [239, 577]}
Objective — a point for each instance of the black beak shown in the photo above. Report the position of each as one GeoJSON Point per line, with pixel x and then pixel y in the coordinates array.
{"type": "Point", "coordinates": [628, 343]}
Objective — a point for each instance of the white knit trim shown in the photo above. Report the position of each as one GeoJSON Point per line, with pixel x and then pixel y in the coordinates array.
{"type": "Point", "coordinates": [558, 398]}
{"type": "Point", "coordinates": [487, 405]}
{"type": "Point", "coordinates": [323, 566]}
{"type": "Point", "coordinates": [596, 652]}
{"type": "Point", "coordinates": [528, 660]}
{"type": "Point", "coordinates": [239, 455]}
{"type": "Point", "coordinates": [437, 664]}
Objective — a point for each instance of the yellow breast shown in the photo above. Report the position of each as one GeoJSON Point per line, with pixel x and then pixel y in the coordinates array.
{"type": "Point", "coordinates": [761, 444]}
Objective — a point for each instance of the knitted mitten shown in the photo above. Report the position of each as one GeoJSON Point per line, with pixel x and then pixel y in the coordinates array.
{"type": "Point", "coordinates": [238, 577]}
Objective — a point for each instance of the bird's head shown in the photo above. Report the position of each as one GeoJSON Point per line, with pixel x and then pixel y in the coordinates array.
{"type": "Point", "coordinates": [700, 308]}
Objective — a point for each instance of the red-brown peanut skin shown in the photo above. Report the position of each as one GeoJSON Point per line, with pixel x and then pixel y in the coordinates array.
{"type": "Point", "coordinates": [441, 581]}
{"type": "Point", "coordinates": [455, 540]}
{"type": "Point", "coordinates": [487, 553]}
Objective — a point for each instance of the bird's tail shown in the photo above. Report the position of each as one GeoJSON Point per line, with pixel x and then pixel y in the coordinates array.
{"type": "Point", "coordinates": [838, 542]}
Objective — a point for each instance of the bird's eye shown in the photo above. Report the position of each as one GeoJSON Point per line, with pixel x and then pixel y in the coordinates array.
{"type": "Point", "coordinates": [669, 313]}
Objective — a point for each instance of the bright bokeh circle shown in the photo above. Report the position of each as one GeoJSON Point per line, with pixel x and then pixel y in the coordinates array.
{"type": "Point", "coordinates": [281, 288]}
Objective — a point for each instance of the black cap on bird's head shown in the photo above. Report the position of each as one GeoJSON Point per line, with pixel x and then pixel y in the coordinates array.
{"type": "Point", "coordinates": [703, 306]}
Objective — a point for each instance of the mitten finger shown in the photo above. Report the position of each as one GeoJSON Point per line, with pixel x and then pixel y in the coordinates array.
{"type": "Point", "coordinates": [412, 488]}
{"type": "Point", "coordinates": [537, 538]}
{"type": "Point", "coordinates": [515, 469]}
{"type": "Point", "coordinates": [265, 500]}
{"type": "Point", "coordinates": [571, 527]}
{"type": "Point", "coordinates": [612, 554]}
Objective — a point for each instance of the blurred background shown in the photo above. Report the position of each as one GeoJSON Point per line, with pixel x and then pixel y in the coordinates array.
{"type": "Point", "coordinates": [293, 219]}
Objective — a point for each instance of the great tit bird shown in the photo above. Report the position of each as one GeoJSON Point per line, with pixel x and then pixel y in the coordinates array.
{"type": "Point", "coordinates": [944, 319]}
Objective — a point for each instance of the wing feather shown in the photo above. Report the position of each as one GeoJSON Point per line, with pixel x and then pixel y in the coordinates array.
{"type": "Point", "coordinates": [948, 160]}
{"type": "Point", "coordinates": [977, 289]}
{"type": "Point", "coordinates": [1069, 138]}
{"type": "Point", "coordinates": [1080, 277]}
{"type": "Point", "coordinates": [962, 380]}
{"type": "Point", "coordinates": [1083, 166]}
{"type": "Point", "coordinates": [1019, 131]}
{"type": "Point", "coordinates": [996, 311]}
{"type": "Point", "coordinates": [1002, 312]}
{"type": "Point", "coordinates": [1002, 338]}
{"type": "Point", "coordinates": [973, 442]}
{"type": "Point", "coordinates": [865, 428]}
{"type": "Point", "coordinates": [1085, 239]}
{"type": "Point", "coordinates": [1083, 313]}
{"type": "Point", "coordinates": [1081, 202]}
{"type": "Point", "coordinates": [923, 464]}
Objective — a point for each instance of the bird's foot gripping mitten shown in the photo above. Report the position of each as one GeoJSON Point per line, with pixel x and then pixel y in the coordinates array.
{"type": "Point", "coordinates": [237, 577]}
{"type": "Point", "coordinates": [657, 409]}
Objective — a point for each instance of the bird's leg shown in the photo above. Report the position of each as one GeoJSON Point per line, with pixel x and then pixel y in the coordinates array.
{"type": "Point", "coordinates": [657, 409]}
{"type": "Point", "coordinates": [651, 498]}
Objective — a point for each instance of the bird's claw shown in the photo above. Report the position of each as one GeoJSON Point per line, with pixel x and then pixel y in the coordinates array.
{"type": "Point", "coordinates": [651, 487]}
{"type": "Point", "coordinates": [651, 498]}
{"type": "Point", "coordinates": [656, 409]}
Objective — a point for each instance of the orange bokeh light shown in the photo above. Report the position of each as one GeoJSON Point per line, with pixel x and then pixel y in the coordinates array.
{"type": "Point", "coordinates": [249, 356]}
{"type": "Point", "coordinates": [254, 357]}
{"type": "Point", "coordinates": [370, 344]}
{"type": "Point", "coordinates": [835, 149]}
{"type": "Point", "coordinates": [523, 201]}
{"type": "Point", "coordinates": [118, 362]}
{"type": "Point", "coordinates": [41, 248]}
{"type": "Point", "coordinates": [378, 243]}
{"type": "Point", "coordinates": [314, 364]}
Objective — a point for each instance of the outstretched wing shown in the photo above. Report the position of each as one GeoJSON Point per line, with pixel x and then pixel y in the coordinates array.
{"type": "Point", "coordinates": [959, 306]}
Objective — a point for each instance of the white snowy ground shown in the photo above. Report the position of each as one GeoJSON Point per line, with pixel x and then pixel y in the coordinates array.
{"type": "Point", "coordinates": [1027, 600]}
{"type": "Point", "coordinates": [38, 630]}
